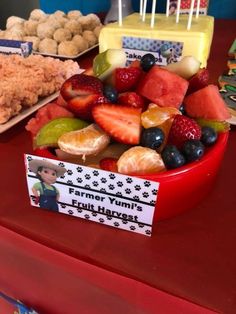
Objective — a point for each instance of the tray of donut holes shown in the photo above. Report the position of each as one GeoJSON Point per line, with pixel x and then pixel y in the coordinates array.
{"type": "Point", "coordinates": [58, 34]}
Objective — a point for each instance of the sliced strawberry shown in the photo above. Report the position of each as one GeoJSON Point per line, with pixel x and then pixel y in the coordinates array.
{"type": "Point", "coordinates": [61, 101]}
{"type": "Point", "coordinates": [124, 79]}
{"type": "Point", "coordinates": [82, 105]}
{"type": "Point", "coordinates": [183, 129]}
{"type": "Point", "coordinates": [132, 99]}
{"type": "Point", "coordinates": [120, 122]}
{"type": "Point", "coordinates": [109, 164]}
{"type": "Point", "coordinates": [81, 85]}
{"type": "Point", "coordinates": [198, 81]}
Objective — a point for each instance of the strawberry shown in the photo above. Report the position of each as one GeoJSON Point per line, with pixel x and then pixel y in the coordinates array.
{"type": "Point", "coordinates": [135, 63]}
{"type": "Point", "coordinates": [124, 79]}
{"type": "Point", "coordinates": [81, 85]}
{"type": "Point", "coordinates": [109, 164]}
{"type": "Point", "coordinates": [198, 81]}
{"type": "Point", "coordinates": [183, 129]}
{"type": "Point", "coordinates": [120, 122]}
{"type": "Point", "coordinates": [131, 99]}
{"type": "Point", "coordinates": [81, 106]}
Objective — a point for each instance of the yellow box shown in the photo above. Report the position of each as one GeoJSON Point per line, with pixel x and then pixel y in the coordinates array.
{"type": "Point", "coordinates": [196, 41]}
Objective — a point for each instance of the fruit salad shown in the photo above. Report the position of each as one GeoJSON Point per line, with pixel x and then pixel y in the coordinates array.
{"type": "Point", "coordinates": [136, 119]}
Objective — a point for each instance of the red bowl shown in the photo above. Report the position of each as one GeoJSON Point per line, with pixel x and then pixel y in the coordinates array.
{"type": "Point", "coordinates": [185, 187]}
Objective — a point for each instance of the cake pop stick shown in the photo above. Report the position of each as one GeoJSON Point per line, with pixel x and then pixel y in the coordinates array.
{"type": "Point", "coordinates": [120, 12]}
{"type": "Point", "coordinates": [167, 7]}
{"type": "Point", "coordinates": [141, 7]}
{"type": "Point", "coordinates": [198, 8]}
{"type": "Point", "coordinates": [153, 13]}
{"type": "Point", "coordinates": [190, 15]}
{"type": "Point", "coordinates": [144, 10]}
{"type": "Point", "coordinates": [178, 11]}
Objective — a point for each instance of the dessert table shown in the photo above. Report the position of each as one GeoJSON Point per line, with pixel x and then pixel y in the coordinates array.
{"type": "Point", "coordinates": [59, 264]}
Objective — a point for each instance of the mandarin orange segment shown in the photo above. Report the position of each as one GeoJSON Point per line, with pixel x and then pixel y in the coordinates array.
{"type": "Point", "coordinates": [87, 141]}
{"type": "Point", "coordinates": [156, 115]}
{"type": "Point", "coordinates": [140, 160]}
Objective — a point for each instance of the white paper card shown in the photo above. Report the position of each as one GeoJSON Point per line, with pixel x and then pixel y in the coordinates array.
{"type": "Point", "coordinates": [105, 197]}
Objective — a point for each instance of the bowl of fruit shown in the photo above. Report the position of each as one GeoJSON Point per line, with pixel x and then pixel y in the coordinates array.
{"type": "Point", "coordinates": [164, 124]}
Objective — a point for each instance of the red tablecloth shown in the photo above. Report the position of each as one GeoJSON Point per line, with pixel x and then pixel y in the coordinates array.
{"type": "Point", "coordinates": [60, 264]}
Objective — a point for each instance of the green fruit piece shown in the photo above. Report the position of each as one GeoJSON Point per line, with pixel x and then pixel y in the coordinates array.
{"type": "Point", "coordinates": [105, 62]}
{"type": "Point", "coordinates": [49, 134]}
{"type": "Point", "coordinates": [218, 126]}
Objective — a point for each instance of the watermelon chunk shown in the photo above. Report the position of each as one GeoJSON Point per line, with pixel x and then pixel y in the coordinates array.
{"type": "Point", "coordinates": [207, 103]}
{"type": "Point", "coordinates": [44, 115]}
{"type": "Point", "coordinates": [163, 87]}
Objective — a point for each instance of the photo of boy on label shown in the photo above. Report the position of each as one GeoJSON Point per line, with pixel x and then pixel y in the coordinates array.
{"type": "Point", "coordinates": [46, 194]}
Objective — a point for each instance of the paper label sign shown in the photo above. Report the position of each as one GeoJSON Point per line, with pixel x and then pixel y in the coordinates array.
{"type": "Point", "coordinates": [185, 7]}
{"type": "Point", "coordinates": [105, 197]}
{"type": "Point", "coordinates": [22, 48]}
{"type": "Point", "coordinates": [165, 51]}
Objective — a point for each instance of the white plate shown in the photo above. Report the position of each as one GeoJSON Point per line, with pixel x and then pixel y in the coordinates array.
{"type": "Point", "coordinates": [26, 112]}
{"type": "Point", "coordinates": [65, 57]}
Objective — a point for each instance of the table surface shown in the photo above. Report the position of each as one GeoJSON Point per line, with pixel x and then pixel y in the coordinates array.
{"type": "Point", "coordinates": [191, 256]}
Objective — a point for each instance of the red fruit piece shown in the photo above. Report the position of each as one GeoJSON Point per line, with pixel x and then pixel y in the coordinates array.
{"type": "Point", "coordinates": [109, 164]}
{"type": "Point", "coordinates": [81, 85]}
{"type": "Point", "coordinates": [207, 103]}
{"type": "Point", "coordinates": [44, 115]}
{"type": "Point", "coordinates": [124, 79]}
{"type": "Point", "coordinates": [120, 122]}
{"type": "Point", "coordinates": [82, 105]}
{"type": "Point", "coordinates": [163, 87]}
{"type": "Point", "coordinates": [198, 81]}
{"type": "Point", "coordinates": [42, 152]}
{"type": "Point", "coordinates": [183, 129]}
{"type": "Point", "coordinates": [131, 99]}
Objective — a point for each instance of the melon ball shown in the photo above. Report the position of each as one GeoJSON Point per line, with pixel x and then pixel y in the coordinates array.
{"type": "Point", "coordinates": [37, 14]}
{"type": "Point", "coordinates": [74, 27]}
{"type": "Point", "coordinates": [45, 30]}
{"type": "Point", "coordinates": [30, 27]}
{"type": "Point", "coordinates": [74, 14]}
{"type": "Point", "coordinates": [48, 45]}
{"type": "Point", "coordinates": [97, 30]}
{"type": "Point", "coordinates": [34, 40]}
{"type": "Point", "coordinates": [54, 22]}
{"type": "Point", "coordinates": [62, 34]}
{"type": "Point", "coordinates": [68, 48]}
{"type": "Point", "coordinates": [12, 20]}
{"type": "Point", "coordinates": [80, 42]}
{"type": "Point", "coordinates": [2, 34]}
{"type": "Point", "coordinates": [13, 35]}
{"type": "Point", "coordinates": [90, 38]}
{"type": "Point", "coordinates": [59, 13]}
{"type": "Point", "coordinates": [94, 20]}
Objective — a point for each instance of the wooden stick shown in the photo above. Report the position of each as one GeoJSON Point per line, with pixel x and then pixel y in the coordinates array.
{"type": "Point", "coordinates": [141, 7]}
{"type": "Point", "coordinates": [198, 8]}
{"type": "Point", "coordinates": [190, 15]}
{"type": "Point", "coordinates": [120, 12]}
{"type": "Point", "coordinates": [167, 7]}
{"type": "Point", "coordinates": [153, 13]}
{"type": "Point", "coordinates": [144, 10]}
{"type": "Point", "coordinates": [178, 11]}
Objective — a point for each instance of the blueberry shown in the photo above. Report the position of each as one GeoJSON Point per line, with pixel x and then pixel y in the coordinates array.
{"type": "Point", "coordinates": [110, 93]}
{"type": "Point", "coordinates": [209, 136]}
{"type": "Point", "coordinates": [152, 137]}
{"type": "Point", "coordinates": [193, 150]}
{"type": "Point", "coordinates": [172, 157]}
{"type": "Point", "coordinates": [147, 61]}
{"type": "Point", "coordinates": [182, 109]}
